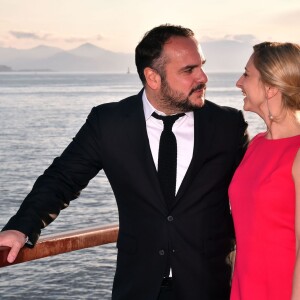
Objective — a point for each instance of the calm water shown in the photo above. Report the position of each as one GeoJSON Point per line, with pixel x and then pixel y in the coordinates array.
{"type": "Point", "coordinates": [39, 114]}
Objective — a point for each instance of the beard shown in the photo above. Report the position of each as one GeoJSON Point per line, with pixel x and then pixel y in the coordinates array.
{"type": "Point", "coordinates": [178, 101]}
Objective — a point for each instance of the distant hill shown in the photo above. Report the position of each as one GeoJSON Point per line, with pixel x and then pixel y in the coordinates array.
{"type": "Point", "coordinates": [87, 58]}
{"type": "Point", "coordinates": [222, 56]}
{"type": "Point", "coordinates": [5, 68]}
{"type": "Point", "coordinates": [91, 51]}
{"type": "Point", "coordinates": [226, 55]}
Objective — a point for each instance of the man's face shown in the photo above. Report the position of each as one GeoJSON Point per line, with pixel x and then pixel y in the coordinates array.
{"type": "Point", "coordinates": [183, 83]}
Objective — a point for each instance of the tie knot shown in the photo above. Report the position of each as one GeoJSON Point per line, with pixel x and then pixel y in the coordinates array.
{"type": "Point", "coordinates": [168, 120]}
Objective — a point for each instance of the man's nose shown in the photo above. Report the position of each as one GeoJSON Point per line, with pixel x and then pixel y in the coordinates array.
{"type": "Point", "coordinates": [201, 76]}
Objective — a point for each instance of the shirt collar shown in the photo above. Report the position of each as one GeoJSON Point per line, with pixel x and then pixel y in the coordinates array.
{"type": "Point", "coordinates": [149, 109]}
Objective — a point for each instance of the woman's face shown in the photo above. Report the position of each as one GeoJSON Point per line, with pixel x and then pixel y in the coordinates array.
{"type": "Point", "coordinates": [252, 88]}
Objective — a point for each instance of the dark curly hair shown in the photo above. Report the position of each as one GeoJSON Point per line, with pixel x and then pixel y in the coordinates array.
{"type": "Point", "coordinates": [148, 53]}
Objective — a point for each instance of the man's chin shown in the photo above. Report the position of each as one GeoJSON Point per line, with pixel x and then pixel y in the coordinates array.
{"type": "Point", "coordinates": [198, 102]}
{"type": "Point", "coordinates": [190, 106]}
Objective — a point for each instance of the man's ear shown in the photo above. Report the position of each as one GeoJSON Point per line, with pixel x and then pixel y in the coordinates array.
{"type": "Point", "coordinates": [153, 79]}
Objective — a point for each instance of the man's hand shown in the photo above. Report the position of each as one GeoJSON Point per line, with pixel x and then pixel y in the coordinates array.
{"type": "Point", "coordinates": [13, 239]}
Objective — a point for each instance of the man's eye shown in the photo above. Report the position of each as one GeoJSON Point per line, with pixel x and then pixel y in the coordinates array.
{"type": "Point", "coordinates": [245, 74]}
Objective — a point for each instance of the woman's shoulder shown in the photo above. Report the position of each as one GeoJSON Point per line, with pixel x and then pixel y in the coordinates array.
{"type": "Point", "coordinates": [257, 137]}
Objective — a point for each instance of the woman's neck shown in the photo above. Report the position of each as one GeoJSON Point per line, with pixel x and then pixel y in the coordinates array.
{"type": "Point", "coordinates": [285, 126]}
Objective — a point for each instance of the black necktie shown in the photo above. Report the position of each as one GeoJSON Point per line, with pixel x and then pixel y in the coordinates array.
{"type": "Point", "coordinates": [167, 157]}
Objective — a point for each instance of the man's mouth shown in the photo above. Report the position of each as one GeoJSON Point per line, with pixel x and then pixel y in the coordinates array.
{"type": "Point", "coordinates": [198, 88]}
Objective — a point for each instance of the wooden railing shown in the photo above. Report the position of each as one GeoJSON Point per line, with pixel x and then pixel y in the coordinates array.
{"type": "Point", "coordinates": [61, 243]}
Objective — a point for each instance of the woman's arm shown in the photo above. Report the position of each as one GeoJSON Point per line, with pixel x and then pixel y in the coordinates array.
{"type": "Point", "coordinates": [296, 279]}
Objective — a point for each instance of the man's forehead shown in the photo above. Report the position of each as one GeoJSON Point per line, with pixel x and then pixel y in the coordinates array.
{"type": "Point", "coordinates": [201, 52]}
{"type": "Point", "coordinates": [185, 52]}
{"type": "Point", "coordinates": [180, 43]}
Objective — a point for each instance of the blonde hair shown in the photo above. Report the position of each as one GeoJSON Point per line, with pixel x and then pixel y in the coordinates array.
{"type": "Point", "coordinates": [279, 66]}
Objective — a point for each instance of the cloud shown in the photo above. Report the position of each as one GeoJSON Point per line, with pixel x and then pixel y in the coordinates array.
{"type": "Point", "coordinates": [28, 35]}
{"type": "Point", "coordinates": [52, 38]}
{"type": "Point", "coordinates": [242, 38]}
{"type": "Point", "coordinates": [239, 38]}
{"type": "Point", "coordinates": [83, 40]}
{"type": "Point", "coordinates": [76, 40]}
{"type": "Point", "coordinates": [99, 37]}
{"type": "Point", "coordinates": [206, 38]}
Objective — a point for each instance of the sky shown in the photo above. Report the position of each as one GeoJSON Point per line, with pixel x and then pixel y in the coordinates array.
{"type": "Point", "coordinates": [118, 25]}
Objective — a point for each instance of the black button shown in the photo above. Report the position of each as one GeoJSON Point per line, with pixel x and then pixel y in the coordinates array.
{"type": "Point", "coordinates": [161, 252]}
{"type": "Point", "coordinates": [170, 218]}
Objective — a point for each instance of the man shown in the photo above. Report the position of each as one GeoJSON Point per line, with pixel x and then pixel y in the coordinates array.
{"type": "Point", "coordinates": [169, 247]}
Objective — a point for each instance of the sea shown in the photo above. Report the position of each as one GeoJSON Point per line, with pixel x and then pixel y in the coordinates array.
{"type": "Point", "coordinates": [40, 113]}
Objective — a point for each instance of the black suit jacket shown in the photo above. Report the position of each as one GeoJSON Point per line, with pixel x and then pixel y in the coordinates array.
{"type": "Point", "coordinates": [199, 235]}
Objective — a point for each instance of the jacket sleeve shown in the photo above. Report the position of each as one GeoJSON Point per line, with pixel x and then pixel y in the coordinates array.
{"type": "Point", "coordinates": [61, 182]}
{"type": "Point", "coordinates": [242, 139]}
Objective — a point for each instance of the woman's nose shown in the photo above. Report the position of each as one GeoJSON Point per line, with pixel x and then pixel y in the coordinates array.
{"type": "Point", "coordinates": [239, 82]}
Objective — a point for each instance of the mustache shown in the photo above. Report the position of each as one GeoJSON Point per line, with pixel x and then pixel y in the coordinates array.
{"type": "Point", "coordinates": [200, 86]}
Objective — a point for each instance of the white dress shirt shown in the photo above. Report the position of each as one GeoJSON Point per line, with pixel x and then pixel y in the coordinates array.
{"type": "Point", "coordinates": [184, 132]}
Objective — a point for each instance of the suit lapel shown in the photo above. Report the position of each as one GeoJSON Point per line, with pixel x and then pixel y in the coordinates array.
{"type": "Point", "coordinates": [203, 132]}
{"type": "Point", "coordinates": [135, 124]}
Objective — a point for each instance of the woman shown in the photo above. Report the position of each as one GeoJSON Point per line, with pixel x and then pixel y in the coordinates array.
{"type": "Point", "coordinates": [265, 190]}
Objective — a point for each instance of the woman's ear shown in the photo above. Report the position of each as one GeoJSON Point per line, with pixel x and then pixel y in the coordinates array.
{"type": "Point", "coordinates": [271, 91]}
{"type": "Point", "coordinates": [153, 79]}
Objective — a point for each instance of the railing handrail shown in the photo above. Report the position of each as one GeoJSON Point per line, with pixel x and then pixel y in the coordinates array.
{"type": "Point", "coordinates": [55, 244]}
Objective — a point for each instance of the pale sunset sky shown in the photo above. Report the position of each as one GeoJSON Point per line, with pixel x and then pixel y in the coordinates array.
{"type": "Point", "coordinates": [118, 25]}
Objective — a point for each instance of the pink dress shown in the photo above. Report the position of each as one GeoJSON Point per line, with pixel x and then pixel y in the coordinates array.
{"type": "Point", "coordinates": [262, 197]}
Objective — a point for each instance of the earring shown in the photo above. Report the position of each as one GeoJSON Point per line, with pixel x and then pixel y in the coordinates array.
{"type": "Point", "coordinates": [269, 112]}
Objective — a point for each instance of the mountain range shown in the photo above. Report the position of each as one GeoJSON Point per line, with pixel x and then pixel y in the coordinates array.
{"type": "Point", "coordinates": [85, 58]}
{"type": "Point", "coordinates": [222, 56]}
